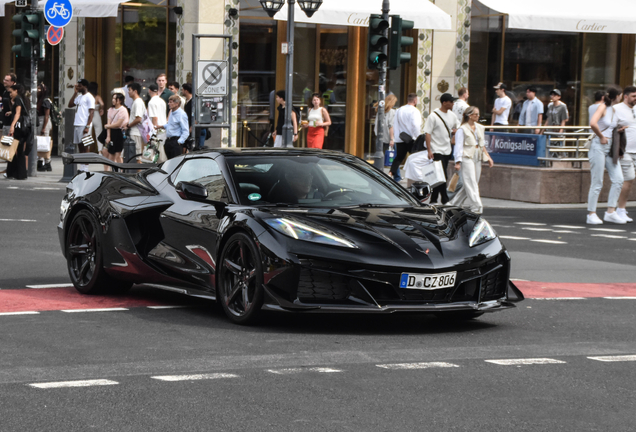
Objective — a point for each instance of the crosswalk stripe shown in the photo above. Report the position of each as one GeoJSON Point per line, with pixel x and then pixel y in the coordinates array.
{"type": "Point", "coordinates": [402, 366]}
{"type": "Point", "coordinates": [530, 361]}
{"type": "Point", "coordinates": [95, 310]}
{"type": "Point", "coordinates": [20, 313]}
{"type": "Point", "coordinates": [83, 383]}
{"type": "Point", "coordinates": [548, 241]}
{"type": "Point", "coordinates": [609, 236]}
{"type": "Point", "coordinates": [569, 226]}
{"type": "Point", "coordinates": [60, 285]}
{"type": "Point", "coordinates": [530, 223]}
{"type": "Point", "coordinates": [619, 358]}
{"type": "Point", "coordinates": [290, 371]}
{"type": "Point", "coordinates": [194, 377]}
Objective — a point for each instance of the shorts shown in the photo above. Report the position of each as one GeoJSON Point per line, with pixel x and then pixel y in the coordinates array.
{"type": "Point", "coordinates": [139, 147]}
{"type": "Point", "coordinates": [116, 144]}
{"type": "Point", "coordinates": [78, 134]}
{"type": "Point", "coordinates": [628, 165]}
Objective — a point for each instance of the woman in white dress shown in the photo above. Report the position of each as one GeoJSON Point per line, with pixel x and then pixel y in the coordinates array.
{"type": "Point", "coordinates": [469, 153]}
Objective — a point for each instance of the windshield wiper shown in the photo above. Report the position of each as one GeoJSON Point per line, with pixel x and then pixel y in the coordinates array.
{"type": "Point", "coordinates": [375, 206]}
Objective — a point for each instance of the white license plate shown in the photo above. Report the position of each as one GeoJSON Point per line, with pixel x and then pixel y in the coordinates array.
{"type": "Point", "coordinates": [428, 281]}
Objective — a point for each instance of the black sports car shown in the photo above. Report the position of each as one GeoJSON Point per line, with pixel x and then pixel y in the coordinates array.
{"type": "Point", "coordinates": [280, 229]}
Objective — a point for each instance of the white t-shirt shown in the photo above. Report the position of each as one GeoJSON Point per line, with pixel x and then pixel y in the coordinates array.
{"type": "Point", "coordinates": [503, 102]}
{"type": "Point", "coordinates": [459, 107]}
{"type": "Point", "coordinates": [157, 108]}
{"type": "Point", "coordinates": [440, 139]}
{"type": "Point", "coordinates": [407, 119]}
{"type": "Point", "coordinates": [84, 103]}
{"type": "Point", "coordinates": [626, 116]}
{"type": "Point", "coordinates": [138, 110]}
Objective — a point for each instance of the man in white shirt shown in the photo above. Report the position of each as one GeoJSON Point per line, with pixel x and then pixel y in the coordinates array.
{"type": "Point", "coordinates": [157, 112]}
{"type": "Point", "coordinates": [85, 103]}
{"type": "Point", "coordinates": [137, 113]}
{"type": "Point", "coordinates": [408, 122]}
{"type": "Point", "coordinates": [439, 128]}
{"type": "Point", "coordinates": [626, 115]}
{"type": "Point", "coordinates": [460, 104]}
{"type": "Point", "coordinates": [501, 111]}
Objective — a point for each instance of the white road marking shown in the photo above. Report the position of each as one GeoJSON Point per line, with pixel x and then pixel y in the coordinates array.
{"type": "Point", "coordinates": [549, 241]}
{"type": "Point", "coordinates": [17, 220]}
{"type": "Point", "coordinates": [290, 371]}
{"type": "Point", "coordinates": [501, 226]}
{"type": "Point", "coordinates": [534, 361]}
{"type": "Point", "coordinates": [324, 370]}
{"type": "Point", "coordinates": [620, 298]}
{"type": "Point", "coordinates": [561, 298]}
{"type": "Point", "coordinates": [19, 313]}
{"type": "Point", "coordinates": [13, 187]}
{"type": "Point", "coordinates": [194, 377]}
{"type": "Point", "coordinates": [568, 226]}
{"type": "Point", "coordinates": [46, 188]}
{"type": "Point", "coordinates": [84, 383]}
{"type": "Point", "coordinates": [530, 223]}
{"type": "Point", "coordinates": [607, 230]}
{"type": "Point", "coordinates": [537, 229]}
{"type": "Point", "coordinates": [565, 232]}
{"type": "Point", "coordinates": [167, 307]}
{"type": "Point", "coordinates": [632, 239]}
{"type": "Point", "coordinates": [402, 366]}
{"type": "Point", "coordinates": [609, 236]}
{"type": "Point", "coordinates": [614, 358]}
{"type": "Point", "coordinates": [519, 280]}
{"type": "Point", "coordinates": [513, 238]}
{"type": "Point", "coordinates": [94, 310]}
{"type": "Point", "coordinates": [50, 286]}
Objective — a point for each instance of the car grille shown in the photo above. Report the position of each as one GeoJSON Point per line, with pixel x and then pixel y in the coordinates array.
{"type": "Point", "coordinates": [493, 285]}
{"type": "Point", "coordinates": [318, 285]}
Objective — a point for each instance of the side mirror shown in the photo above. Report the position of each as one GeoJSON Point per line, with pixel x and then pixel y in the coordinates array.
{"type": "Point", "coordinates": [192, 191]}
{"type": "Point", "coordinates": [420, 190]}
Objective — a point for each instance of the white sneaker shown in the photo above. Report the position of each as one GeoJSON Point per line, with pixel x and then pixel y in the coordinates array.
{"type": "Point", "coordinates": [614, 218]}
{"type": "Point", "coordinates": [623, 213]}
{"type": "Point", "coordinates": [593, 219]}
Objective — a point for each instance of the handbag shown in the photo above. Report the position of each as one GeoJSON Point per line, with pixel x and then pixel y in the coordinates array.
{"type": "Point", "coordinates": [150, 154]}
{"type": "Point", "coordinates": [8, 148]}
{"type": "Point", "coordinates": [44, 144]}
{"type": "Point", "coordinates": [102, 136]}
{"type": "Point", "coordinates": [406, 138]}
{"type": "Point", "coordinates": [88, 140]}
{"type": "Point", "coordinates": [433, 173]}
{"type": "Point", "coordinates": [389, 156]}
{"type": "Point", "coordinates": [452, 185]}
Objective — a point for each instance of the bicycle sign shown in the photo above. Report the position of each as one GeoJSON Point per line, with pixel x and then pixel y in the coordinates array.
{"type": "Point", "coordinates": [58, 12]}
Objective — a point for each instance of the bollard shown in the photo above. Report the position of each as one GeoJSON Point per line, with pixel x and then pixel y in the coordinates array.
{"type": "Point", "coordinates": [70, 170]}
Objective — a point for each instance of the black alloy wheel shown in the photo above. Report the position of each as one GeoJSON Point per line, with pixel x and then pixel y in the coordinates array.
{"type": "Point", "coordinates": [240, 286]}
{"type": "Point", "coordinates": [84, 257]}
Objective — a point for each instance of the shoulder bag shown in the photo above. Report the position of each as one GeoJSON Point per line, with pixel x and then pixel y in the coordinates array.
{"type": "Point", "coordinates": [450, 135]}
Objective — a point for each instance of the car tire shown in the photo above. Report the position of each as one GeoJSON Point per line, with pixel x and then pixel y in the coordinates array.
{"type": "Point", "coordinates": [84, 258]}
{"type": "Point", "coordinates": [458, 315]}
{"type": "Point", "coordinates": [240, 281]}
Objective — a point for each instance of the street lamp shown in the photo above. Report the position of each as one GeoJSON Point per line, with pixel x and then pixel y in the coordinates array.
{"type": "Point", "coordinates": [272, 7]}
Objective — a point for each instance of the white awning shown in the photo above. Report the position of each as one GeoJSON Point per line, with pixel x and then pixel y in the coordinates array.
{"type": "Point", "coordinates": [356, 13]}
{"type": "Point", "coordinates": [83, 8]}
{"type": "Point", "coordinates": [580, 16]}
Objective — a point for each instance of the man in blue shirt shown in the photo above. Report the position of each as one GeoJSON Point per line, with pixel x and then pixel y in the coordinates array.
{"type": "Point", "coordinates": [177, 129]}
{"type": "Point", "coordinates": [531, 112]}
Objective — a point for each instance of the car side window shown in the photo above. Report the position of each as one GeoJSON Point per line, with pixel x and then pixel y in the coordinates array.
{"type": "Point", "coordinates": [205, 172]}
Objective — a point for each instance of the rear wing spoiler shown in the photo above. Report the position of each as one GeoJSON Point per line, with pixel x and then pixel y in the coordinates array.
{"type": "Point", "coordinates": [93, 158]}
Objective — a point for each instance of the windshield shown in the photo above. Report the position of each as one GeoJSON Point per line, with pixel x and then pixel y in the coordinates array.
{"type": "Point", "coordinates": [313, 181]}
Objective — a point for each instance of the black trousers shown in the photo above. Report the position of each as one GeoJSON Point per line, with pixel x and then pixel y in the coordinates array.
{"type": "Point", "coordinates": [401, 149]}
{"type": "Point", "coordinates": [172, 147]}
{"type": "Point", "coordinates": [441, 189]}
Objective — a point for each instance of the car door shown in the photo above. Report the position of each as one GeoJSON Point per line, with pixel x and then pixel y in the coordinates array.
{"type": "Point", "coordinates": [190, 227]}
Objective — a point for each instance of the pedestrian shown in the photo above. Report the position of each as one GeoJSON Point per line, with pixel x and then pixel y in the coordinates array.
{"type": "Point", "coordinates": [318, 121]}
{"type": "Point", "coordinates": [137, 113]}
{"type": "Point", "coordinates": [388, 126]}
{"type": "Point", "coordinates": [98, 124]}
{"type": "Point", "coordinates": [173, 86]}
{"type": "Point", "coordinates": [129, 101]}
{"type": "Point", "coordinates": [407, 124]}
{"type": "Point", "coordinates": [177, 129]}
{"type": "Point", "coordinates": [626, 115]}
{"type": "Point", "coordinates": [20, 106]}
{"type": "Point", "coordinates": [531, 111]}
{"type": "Point", "coordinates": [278, 133]}
{"type": "Point", "coordinates": [117, 117]}
{"type": "Point", "coordinates": [469, 153]}
{"type": "Point", "coordinates": [557, 111]}
{"type": "Point", "coordinates": [44, 126]}
{"type": "Point", "coordinates": [164, 93]}
{"type": "Point", "coordinates": [157, 107]}
{"type": "Point", "coordinates": [601, 155]}
{"type": "Point", "coordinates": [85, 103]}
{"type": "Point", "coordinates": [598, 100]}
{"type": "Point", "coordinates": [440, 128]}
{"type": "Point", "coordinates": [461, 103]}
{"type": "Point", "coordinates": [187, 107]}
{"type": "Point", "coordinates": [9, 80]}
{"type": "Point", "coordinates": [501, 110]}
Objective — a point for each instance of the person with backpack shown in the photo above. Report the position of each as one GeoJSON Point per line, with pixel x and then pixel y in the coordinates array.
{"type": "Point", "coordinates": [21, 129]}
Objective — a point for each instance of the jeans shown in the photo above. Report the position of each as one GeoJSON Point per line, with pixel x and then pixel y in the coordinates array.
{"type": "Point", "coordinates": [600, 159]}
{"type": "Point", "coordinates": [401, 149]}
{"type": "Point", "coordinates": [202, 138]}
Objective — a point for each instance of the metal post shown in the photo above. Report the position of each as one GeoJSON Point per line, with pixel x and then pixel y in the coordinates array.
{"type": "Point", "coordinates": [288, 127]}
{"type": "Point", "coordinates": [378, 155]}
{"type": "Point", "coordinates": [35, 54]}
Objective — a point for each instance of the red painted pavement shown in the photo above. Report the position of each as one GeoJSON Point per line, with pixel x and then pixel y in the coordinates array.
{"type": "Point", "coordinates": [554, 289]}
{"type": "Point", "coordinates": [63, 299]}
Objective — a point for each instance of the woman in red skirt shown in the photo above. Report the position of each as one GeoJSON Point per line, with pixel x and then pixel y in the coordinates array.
{"type": "Point", "coordinates": [318, 121]}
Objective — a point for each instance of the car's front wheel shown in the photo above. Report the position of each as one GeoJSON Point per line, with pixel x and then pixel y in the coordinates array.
{"type": "Point", "coordinates": [84, 257]}
{"type": "Point", "coordinates": [240, 281]}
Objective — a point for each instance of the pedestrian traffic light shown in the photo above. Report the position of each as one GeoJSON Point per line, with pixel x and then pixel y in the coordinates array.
{"type": "Point", "coordinates": [23, 48]}
{"type": "Point", "coordinates": [398, 41]}
{"type": "Point", "coordinates": [33, 31]}
{"type": "Point", "coordinates": [377, 41]}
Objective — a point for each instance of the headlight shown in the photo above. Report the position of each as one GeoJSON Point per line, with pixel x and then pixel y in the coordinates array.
{"type": "Point", "coordinates": [301, 231]}
{"type": "Point", "coordinates": [482, 233]}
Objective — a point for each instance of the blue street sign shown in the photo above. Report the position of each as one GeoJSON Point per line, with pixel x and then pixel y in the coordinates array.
{"type": "Point", "coordinates": [58, 12]}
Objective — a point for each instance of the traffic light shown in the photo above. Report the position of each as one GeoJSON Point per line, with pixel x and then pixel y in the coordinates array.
{"type": "Point", "coordinates": [377, 41]}
{"type": "Point", "coordinates": [33, 31]}
{"type": "Point", "coordinates": [398, 41]}
{"type": "Point", "coordinates": [23, 49]}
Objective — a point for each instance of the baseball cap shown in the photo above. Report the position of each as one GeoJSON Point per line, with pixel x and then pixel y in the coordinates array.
{"type": "Point", "coordinates": [153, 87]}
{"type": "Point", "coordinates": [447, 97]}
{"type": "Point", "coordinates": [500, 86]}
{"type": "Point", "coordinates": [83, 82]}
{"type": "Point", "coordinates": [556, 92]}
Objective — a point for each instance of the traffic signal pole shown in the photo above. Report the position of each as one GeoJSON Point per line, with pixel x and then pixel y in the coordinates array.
{"type": "Point", "coordinates": [35, 55]}
{"type": "Point", "coordinates": [378, 155]}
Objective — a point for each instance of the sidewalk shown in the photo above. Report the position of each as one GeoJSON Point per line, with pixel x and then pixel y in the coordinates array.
{"type": "Point", "coordinates": [41, 177]}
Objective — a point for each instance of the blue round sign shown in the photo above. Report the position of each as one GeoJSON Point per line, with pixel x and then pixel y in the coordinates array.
{"type": "Point", "coordinates": [58, 12]}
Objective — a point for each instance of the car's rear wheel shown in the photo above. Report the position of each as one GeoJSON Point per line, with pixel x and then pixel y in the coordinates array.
{"type": "Point", "coordinates": [240, 282]}
{"type": "Point", "coordinates": [458, 315]}
{"type": "Point", "coordinates": [84, 257]}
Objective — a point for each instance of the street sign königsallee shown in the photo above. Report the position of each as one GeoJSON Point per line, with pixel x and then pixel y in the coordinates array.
{"type": "Point", "coordinates": [58, 12]}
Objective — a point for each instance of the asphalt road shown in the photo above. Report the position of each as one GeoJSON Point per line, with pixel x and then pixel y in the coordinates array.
{"type": "Point", "coordinates": [188, 368]}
